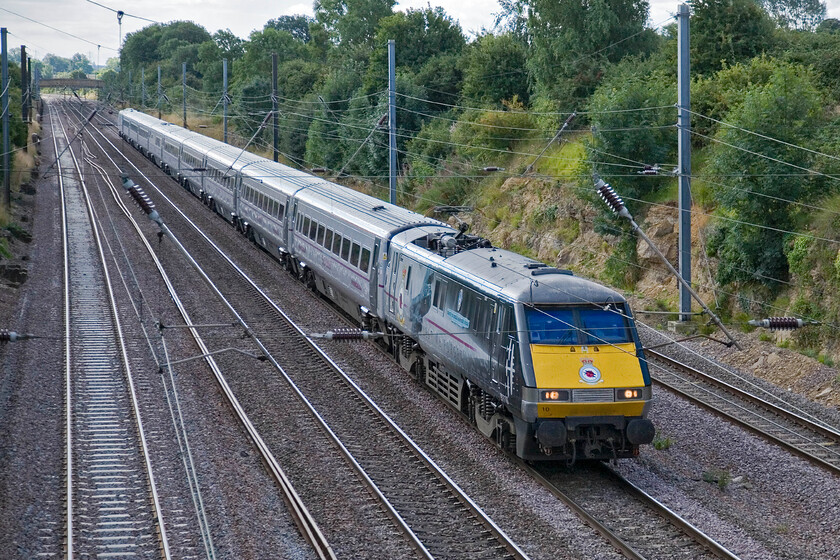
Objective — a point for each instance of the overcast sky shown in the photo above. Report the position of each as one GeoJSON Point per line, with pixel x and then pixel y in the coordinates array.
{"type": "Point", "coordinates": [95, 25]}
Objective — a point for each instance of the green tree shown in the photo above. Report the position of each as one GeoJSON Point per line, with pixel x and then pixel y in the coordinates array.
{"type": "Point", "coordinates": [296, 25]}
{"type": "Point", "coordinates": [716, 95]}
{"type": "Point", "coordinates": [258, 50]}
{"type": "Point", "coordinates": [418, 36]}
{"type": "Point", "coordinates": [754, 186]}
{"type": "Point", "coordinates": [624, 132]}
{"type": "Point", "coordinates": [830, 25]}
{"type": "Point", "coordinates": [167, 45]}
{"type": "Point", "coordinates": [230, 46]}
{"type": "Point", "coordinates": [726, 32]}
{"type": "Point", "coordinates": [820, 50]}
{"type": "Point", "coordinates": [572, 41]}
{"type": "Point", "coordinates": [494, 69]}
{"type": "Point", "coordinates": [340, 85]}
{"type": "Point", "coordinates": [796, 14]}
{"type": "Point", "coordinates": [441, 77]}
{"type": "Point", "coordinates": [57, 64]}
{"type": "Point", "coordinates": [352, 23]}
{"type": "Point", "coordinates": [80, 62]}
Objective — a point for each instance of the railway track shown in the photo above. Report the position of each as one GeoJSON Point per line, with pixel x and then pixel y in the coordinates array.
{"type": "Point", "coordinates": [768, 416]}
{"type": "Point", "coordinates": [635, 523]}
{"type": "Point", "coordinates": [438, 518]}
{"type": "Point", "coordinates": [666, 534]}
{"type": "Point", "coordinates": [305, 522]}
{"type": "Point", "coordinates": [112, 505]}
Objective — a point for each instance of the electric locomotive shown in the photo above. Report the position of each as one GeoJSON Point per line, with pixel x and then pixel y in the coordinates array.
{"type": "Point", "coordinates": [547, 364]}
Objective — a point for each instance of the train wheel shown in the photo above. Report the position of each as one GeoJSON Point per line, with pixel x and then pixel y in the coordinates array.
{"type": "Point", "coordinates": [309, 279]}
{"type": "Point", "coordinates": [504, 438]}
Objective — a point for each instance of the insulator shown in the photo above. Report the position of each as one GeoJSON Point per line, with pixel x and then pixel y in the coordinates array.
{"type": "Point", "coordinates": [347, 334]}
{"type": "Point", "coordinates": [609, 196]}
{"type": "Point", "coordinates": [779, 323]}
{"type": "Point", "coordinates": [12, 336]}
{"type": "Point", "coordinates": [142, 199]}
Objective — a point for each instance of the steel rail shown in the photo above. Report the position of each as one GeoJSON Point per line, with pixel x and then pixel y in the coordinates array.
{"type": "Point", "coordinates": [677, 521]}
{"type": "Point", "coordinates": [619, 543]}
{"type": "Point", "coordinates": [673, 517]}
{"type": "Point", "coordinates": [750, 419]}
{"type": "Point", "coordinates": [178, 420]}
{"type": "Point", "coordinates": [306, 523]}
{"type": "Point", "coordinates": [428, 461]}
{"type": "Point", "coordinates": [126, 365]}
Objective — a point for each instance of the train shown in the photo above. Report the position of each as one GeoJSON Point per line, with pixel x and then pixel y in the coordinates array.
{"type": "Point", "coordinates": [547, 364]}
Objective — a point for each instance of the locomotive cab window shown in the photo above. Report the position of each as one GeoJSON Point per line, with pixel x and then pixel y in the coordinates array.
{"type": "Point", "coordinates": [576, 325]}
{"type": "Point", "coordinates": [604, 327]}
{"type": "Point", "coordinates": [552, 326]}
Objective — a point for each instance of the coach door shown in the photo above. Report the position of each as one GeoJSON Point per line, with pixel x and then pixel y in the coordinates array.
{"type": "Point", "coordinates": [393, 283]}
{"type": "Point", "coordinates": [504, 350]}
{"type": "Point", "coordinates": [374, 276]}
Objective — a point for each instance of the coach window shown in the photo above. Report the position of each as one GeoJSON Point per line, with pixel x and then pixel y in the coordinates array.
{"type": "Point", "coordinates": [437, 299]}
{"type": "Point", "coordinates": [321, 231]}
{"type": "Point", "coordinates": [345, 249]}
{"type": "Point", "coordinates": [355, 251]}
{"type": "Point", "coordinates": [281, 211]}
{"type": "Point", "coordinates": [313, 229]}
{"type": "Point", "coordinates": [328, 240]}
{"type": "Point", "coordinates": [365, 262]}
{"type": "Point", "coordinates": [305, 230]}
{"type": "Point", "coordinates": [336, 248]}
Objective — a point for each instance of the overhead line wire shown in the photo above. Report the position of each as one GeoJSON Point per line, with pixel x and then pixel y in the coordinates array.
{"type": "Point", "coordinates": [59, 30]}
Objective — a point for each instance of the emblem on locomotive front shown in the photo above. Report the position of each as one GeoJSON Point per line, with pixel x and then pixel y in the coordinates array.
{"type": "Point", "coordinates": [588, 372]}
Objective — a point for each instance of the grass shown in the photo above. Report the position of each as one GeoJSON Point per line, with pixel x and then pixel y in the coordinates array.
{"type": "Point", "coordinates": [718, 476]}
{"type": "Point", "coordinates": [661, 443]}
{"type": "Point", "coordinates": [563, 161]}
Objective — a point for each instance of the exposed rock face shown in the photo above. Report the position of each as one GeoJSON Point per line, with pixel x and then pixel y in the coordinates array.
{"type": "Point", "coordinates": [661, 226]}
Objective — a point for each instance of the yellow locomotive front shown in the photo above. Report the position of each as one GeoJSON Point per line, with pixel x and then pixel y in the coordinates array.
{"type": "Point", "coordinates": [592, 386]}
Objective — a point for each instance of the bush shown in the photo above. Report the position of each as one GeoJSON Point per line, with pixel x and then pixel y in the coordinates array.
{"type": "Point", "coordinates": [483, 136]}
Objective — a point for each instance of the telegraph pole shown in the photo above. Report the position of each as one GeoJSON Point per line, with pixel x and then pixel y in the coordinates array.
{"type": "Point", "coordinates": [224, 96]}
{"type": "Point", "coordinates": [158, 92]}
{"type": "Point", "coordinates": [274, 103]}
{"type": "Point", "coordinates": [684, 148]}
{"type": "Point", "coordinates": [6, 199]}
{"type": "Point", "coordinates": [392, 120]}
{"type": "Point", "coordinates": [184, 83]}
{"type": "Point", "coordinates": [24, 85]}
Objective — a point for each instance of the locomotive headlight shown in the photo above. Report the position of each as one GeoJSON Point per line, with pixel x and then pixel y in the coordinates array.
{"type": "Point", "coordinates": [628, 394]}
{"type": "Point", "coordinates": [554, 395]}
